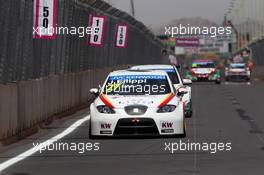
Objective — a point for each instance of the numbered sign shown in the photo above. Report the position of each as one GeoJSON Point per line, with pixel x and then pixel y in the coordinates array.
{"type": "Point", "coordinates": [121, 36]}
{"type": "Point", "coordinates": [45, 19]}
{"type": "Point", "coordinates": [97, 24]}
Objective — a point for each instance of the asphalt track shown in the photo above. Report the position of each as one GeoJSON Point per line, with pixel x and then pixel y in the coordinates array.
{"type": "Point", "coordinates": [222, 113]}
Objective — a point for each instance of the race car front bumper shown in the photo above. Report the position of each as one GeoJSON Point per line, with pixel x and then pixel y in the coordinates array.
{"type": "Point", "coordinates": [205, 77]}
{"type": "Point", "coordinates": [237, 77]}
{"type": "Point", "coordinates": [149, 124]}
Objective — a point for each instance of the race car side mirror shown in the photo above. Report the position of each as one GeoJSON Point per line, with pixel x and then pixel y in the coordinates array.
{"type": "Point", "coordinates": [187, 82]}
{"type": "Point", "coordinates": [181, 92]}
{"type": "Point", "coordinates": [94, 91]}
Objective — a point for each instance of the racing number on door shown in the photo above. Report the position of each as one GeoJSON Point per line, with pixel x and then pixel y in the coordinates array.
{"type": "Point", "coordinates": [97, 34]}
{"type": "Point", "coordinates": [121, 36]}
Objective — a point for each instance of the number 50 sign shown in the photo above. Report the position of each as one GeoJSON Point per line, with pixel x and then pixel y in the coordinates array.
{"type": "Point", "coordinates": [45, 19]}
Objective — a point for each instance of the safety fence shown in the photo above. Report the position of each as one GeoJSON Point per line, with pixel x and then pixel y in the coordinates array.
{"type": "Point", "coordinates": [40, 78]}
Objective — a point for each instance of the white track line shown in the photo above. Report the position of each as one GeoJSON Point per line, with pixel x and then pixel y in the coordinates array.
{"type": "Point", "coordinates": [48, 142]}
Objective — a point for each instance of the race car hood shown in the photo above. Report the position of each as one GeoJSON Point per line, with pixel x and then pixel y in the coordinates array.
{"type": "Point", "coordinates": [203, 70]}
{"type": "Point", "coordinates": [151, 101]}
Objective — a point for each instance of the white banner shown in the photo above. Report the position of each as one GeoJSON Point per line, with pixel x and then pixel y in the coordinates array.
{"type": "Point", "coordinates": [45, 19]}
{"type": "Point", "coordinates": [97, 25]}
{"type": "Point", "coordinates": [121, 36]}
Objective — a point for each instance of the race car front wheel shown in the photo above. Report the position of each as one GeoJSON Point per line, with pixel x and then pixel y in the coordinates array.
{"type": "Point", "coordinates": [218, 82]}
{"type": "Point", "coordinates": [184, 132]}
{"type": "Point", "coordinates": [90, 131]}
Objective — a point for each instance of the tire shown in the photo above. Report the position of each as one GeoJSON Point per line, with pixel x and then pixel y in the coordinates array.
{"type": "Point", "coordinates": [217, 82]}
{"type": "Point", "coordinates": [180, 135]}
{"type": "Point", "coordinates": [90, 132]}
{"type": "Point", "coordinates": [188, 114]}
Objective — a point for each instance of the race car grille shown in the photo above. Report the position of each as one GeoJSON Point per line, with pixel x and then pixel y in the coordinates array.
{"type": "Point", "coordinates": [136, 109]}
{"type": "Point", "coordinates": [136, 126]}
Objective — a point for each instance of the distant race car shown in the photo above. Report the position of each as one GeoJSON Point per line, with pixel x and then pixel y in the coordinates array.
{"type": "Point", "coordinates": [237, 72]}
{"type": "Point", "coordinates": [204, 70]}
{"type": "Point", "coordinates": [137, 103]}
{"type": "Point", "coordinates": [177, 81]}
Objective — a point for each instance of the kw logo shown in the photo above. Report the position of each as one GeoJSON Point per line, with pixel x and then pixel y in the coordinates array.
{"type": "Point", "coordinates": [167, 125]}
{"type": "Point", "coordinates": [105, 126]}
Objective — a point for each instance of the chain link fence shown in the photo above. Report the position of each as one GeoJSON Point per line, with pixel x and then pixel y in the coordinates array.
{"type": "Point", "coordinates": [24, 58]}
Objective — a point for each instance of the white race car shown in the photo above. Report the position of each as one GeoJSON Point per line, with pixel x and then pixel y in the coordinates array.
{"type": "Point", "coordinates": [177, 81]}
{"type": "Point", "coordinates": [137, 103]}
{"type": "Point", "coordinates": [237, 72]}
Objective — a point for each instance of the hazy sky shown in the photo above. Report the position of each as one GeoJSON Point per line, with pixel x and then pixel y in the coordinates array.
{"type": "Point", "coordinates": [157, 12]}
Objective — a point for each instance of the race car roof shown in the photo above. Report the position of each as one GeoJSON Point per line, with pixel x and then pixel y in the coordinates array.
{"type": "Point", "coordinates": [138, 72]}
{"type": "Point", "coordinates": [151, 67]}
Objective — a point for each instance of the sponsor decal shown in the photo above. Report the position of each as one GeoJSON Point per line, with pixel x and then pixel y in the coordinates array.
{"type": "Point", "coordinates": [167, 124]}
{"type": "Point", "coordinates": [44, 19]}
{"type": "Point", "coordinates": [113, 86]}
{"type": "Point", "coordinates": [169, 70]}
{"type": "Point", "coordinates": [167, 99]}
{"type": "Point", "coordinates": [97, 24]}
{"type": "Point", "coordinates": [105, 132]}
{"type": "Point", "coordinates": [138, 77]}
{"type": "Point", "coordinates": [105, 125]}
{"type": "Point", "coordinates": [167, 131]}
{"type": "Point", "coordinates": [121, 36]}
{"type": "Point", "coordinates": [106, 101]}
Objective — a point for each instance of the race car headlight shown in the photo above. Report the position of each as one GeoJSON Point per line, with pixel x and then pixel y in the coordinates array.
{"type": "Point", "coordinates": [166, 108]}
{"type": "Point", "coordinates": [105, 110]}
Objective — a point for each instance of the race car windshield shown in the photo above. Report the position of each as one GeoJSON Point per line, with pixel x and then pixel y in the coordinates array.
{"type": "Point", "coordinates": [238, 66]}
{"type": "Point", "coordinates": [203, 65]}
{"type": "Point", "coordinates": [137, 85]}
{"type": "Point", "coordinates": [173, 75]}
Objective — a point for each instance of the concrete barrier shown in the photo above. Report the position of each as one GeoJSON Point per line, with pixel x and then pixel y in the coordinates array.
{"type": "Point", "coordinates": [29, 103]}
{"type": "Point", "coordinates": [8, 110]}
